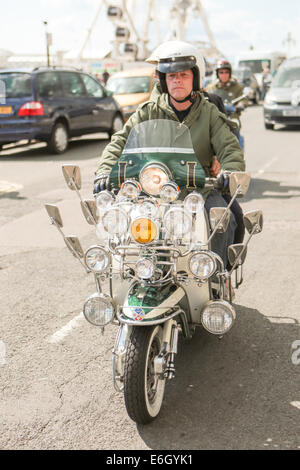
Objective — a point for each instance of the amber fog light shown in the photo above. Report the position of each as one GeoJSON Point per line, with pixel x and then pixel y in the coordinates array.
{"type": "Point", "coordinates": [144, 230]}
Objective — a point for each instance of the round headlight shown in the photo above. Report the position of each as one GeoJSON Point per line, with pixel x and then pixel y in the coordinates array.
{"type": "Point", "coordinates": [96, 259]}
{"type": "Point", "coordinates": [152, 178]}
{"type": "Point", "coordinates": [149, 208]}
{"type": "Point", "coordinates": [218, 317]}
{"type": "Point", "coordinates": [130, 189]}
{"type": "Point", "coordinates": [104, 200]}
{"type": "Point", "coordinates": [169, 192]}
{"type": "Point", "coordinates": [194, 202]}
{"type": "Point", "coordinates": [99, 309]}
{"type": "Point", "coordinates": [144, 230]}
{"type": "Point", "coordinates": [202, 265]}
{"type": "Point", "coordinates": [116, 221]}
{"type": "Point", "coordinates": [144, 268]}
{"type": "Point", "coordinates": [177, 222]}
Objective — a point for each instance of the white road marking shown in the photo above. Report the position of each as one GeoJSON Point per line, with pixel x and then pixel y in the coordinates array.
{"type": "Point", "coordinates": [296, 404]}
{"type": "Point", "coordinates": [265, 167]}
{"type": "Point", "coordinates": [59, 335]}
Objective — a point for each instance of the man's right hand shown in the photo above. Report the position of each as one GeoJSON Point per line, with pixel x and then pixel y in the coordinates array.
{"type": "Point", "coordinates": [101, 183]}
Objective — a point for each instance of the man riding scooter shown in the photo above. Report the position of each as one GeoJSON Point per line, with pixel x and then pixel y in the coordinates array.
{"type": "Point", "coordinates": [181, 71]}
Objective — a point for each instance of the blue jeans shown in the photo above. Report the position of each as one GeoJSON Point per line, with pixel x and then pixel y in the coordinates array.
{"type": "Point", "coordinates": [221, 241]}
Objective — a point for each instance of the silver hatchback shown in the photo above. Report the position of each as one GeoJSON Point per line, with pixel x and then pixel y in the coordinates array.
{"type": "Point", "coordinates": [282, 102]}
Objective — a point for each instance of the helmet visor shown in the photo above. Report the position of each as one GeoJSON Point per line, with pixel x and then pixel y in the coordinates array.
{"type": "Point", "coordinates": [176, 64]}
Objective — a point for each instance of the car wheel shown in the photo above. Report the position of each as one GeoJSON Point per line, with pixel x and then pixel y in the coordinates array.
{"type": "Point", "coordinates": [59, 140]}
{"type": "Point", "coordinates": [117, 124]}
{"type": "Point", "coordinates": [269, 126]}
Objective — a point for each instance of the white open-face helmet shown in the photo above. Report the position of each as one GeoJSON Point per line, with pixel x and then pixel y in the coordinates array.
{"type": "Point", "coordinates": [176, 56]}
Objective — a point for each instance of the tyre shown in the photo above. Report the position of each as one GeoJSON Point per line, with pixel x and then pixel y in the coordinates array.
{"type": "Point", "coordinates": [117, 124]}
{"type": "Point", "coordinates": [143, 392]}
{"type": "Point", "coordinates": [59, 140]}
{"type": "Point", "coordinates": [257, 97]}
{"type": "Point", "coordinates": [269, 126]}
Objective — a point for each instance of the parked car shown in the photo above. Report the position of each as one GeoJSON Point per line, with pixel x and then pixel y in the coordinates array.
{"type": "Point", "coordinates": [54, 104]}
{"type": "Point", "coordinates": [131, 88]}
{"type": "Point", "coordinates": [247, 79]}
{"type": "Point", "coordinates": [282, 102]}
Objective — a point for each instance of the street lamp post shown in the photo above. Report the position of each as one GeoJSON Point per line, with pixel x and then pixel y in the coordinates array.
{"type": "Point", "coordinates": [48, 42]}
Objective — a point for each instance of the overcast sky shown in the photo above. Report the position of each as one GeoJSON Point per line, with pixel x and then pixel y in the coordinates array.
{"type": "Point", "coordinates": [264, 24]}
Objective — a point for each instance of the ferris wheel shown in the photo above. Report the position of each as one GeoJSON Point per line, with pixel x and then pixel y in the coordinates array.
{"type": "Point", "coordinates": [131, 41]}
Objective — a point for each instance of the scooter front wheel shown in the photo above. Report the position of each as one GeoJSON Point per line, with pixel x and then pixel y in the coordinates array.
{"type": "Point", "coordinates": [143, 390]}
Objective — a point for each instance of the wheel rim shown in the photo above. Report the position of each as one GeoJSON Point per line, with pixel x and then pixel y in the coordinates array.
{"type": "Point", "coordinates": [61, 138]}
{"type": "Point", "coordinates": [117, 124]}
{"type": "Point", "coordinates": [154, 387]}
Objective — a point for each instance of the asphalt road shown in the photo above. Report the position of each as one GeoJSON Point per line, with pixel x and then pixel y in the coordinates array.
{"type": "Point", "coordinates": [56, 389]}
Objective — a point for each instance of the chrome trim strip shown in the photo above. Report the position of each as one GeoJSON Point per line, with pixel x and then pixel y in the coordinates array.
{"type": "Point", "coordinates": [148, 323]}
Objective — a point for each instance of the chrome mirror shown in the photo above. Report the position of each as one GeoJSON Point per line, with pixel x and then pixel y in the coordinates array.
{"type": "Point", "coordinates": [72, 176]}
{"type": "Point", "coordinates": [54, 214]}
{"type": "Point", "coordinates": [74, 246]}
{"type": "Point", "coordinates": [241, 179]}
{"type": "Point", "coordinates": [254, 221]}
{"type": "Point", "coordinates": [215, 216]}
{"type": "Point", "coordinates": [234, 251]}
{"type": "Point", "coordinates": [89, 209]}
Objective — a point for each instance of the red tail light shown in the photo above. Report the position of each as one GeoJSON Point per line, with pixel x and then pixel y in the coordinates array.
{"type": "Point", "coordinates": [33, 108]}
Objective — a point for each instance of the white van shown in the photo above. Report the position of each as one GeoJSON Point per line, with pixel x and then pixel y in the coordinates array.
{"type": "Point", "coordinates": [256, 60]}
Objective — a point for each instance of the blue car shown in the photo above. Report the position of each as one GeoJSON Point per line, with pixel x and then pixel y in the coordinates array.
{"type": "Point", "coordinates": [53, 105]}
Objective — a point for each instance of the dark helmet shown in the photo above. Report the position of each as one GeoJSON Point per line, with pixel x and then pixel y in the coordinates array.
{"type": "Point", "coordinates": [223, 64]}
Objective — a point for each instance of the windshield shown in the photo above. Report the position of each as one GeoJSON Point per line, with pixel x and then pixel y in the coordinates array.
{"type": "Point", "coordinates": [287, 78]}
{"type": "Point", "coordinates": [163, 141]}
{"type": "Point", "coordinates": [242, 74]}
{"type": "Point", "coordinates": [256, 66]}
{"type": "Point", "coordinates": [16, 84]}
{"type": "Point", "coordinates": [124, 85]}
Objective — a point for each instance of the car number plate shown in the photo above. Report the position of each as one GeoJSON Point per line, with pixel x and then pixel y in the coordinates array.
{"type": "Point", "coordinates": [5, 109]}
{"type": "Point", "coordinates": [291, 112]}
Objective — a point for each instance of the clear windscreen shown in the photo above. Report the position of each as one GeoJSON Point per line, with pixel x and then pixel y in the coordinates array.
{"type": "Point", "coordinates": [159, 135]}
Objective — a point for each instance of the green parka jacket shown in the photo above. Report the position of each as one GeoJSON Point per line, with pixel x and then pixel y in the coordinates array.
{"type": "Point", "coordinates": [210, 133]}
{"type": "Point", "coordinates": [228, 91]}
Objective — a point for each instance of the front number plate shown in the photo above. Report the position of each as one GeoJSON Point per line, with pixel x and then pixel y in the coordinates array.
{"type": "Point", "coordinates": [291, 112]}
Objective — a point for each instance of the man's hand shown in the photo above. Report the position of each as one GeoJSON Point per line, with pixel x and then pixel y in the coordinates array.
{"type": "Point", "coordinates": [215, 167]}
{"type": "Point", "coordinates": [100, 183]}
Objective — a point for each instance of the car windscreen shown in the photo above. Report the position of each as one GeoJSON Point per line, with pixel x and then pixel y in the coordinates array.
{"type": "Point", "coordinates": [124, 85]}
{"type": "Point", "coordinates": [256, 66]}
{"type": "Point", "coordinates": [287, 78]}
{"type": "Point", "coordinates": [16, 84]}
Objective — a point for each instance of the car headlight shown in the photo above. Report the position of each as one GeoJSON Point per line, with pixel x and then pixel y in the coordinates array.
{"type": "Point", "coordinates": [104, 200]}
{"type": "Point", "coordinates": [202, 265]}
{"type": "Point", "coordinates": [217, 317]}
{"type": "Point", "coordinates": [96, 259]}
{"type": "Point", "coordinates": [99, 309]}
{"type": "Point", "coordinates": [130, 109]}
{"type": "Point", "coordinates": [144, 268]}
{"type": "Point", "coordinates": [194, 202]}
{"type": "Point", "coordinates": [153, 177]}
{"type": "Point", "coordinates": [177, 222]}
{"type": "Point", "coordinates": [115, 221]}
{"type": "Point", "coordinates": [269, 100]}
{"type": "Point", "coordinates": [169, 192]}
{"type": "Point", "coordinates": [143, 230]}
{"type": "Point", "coordinates": [130, 189]}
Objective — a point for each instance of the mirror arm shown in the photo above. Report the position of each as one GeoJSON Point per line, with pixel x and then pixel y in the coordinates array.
{"type": "Point", "coordinates": [53, 222]}
{"type": "Point", "coordinates": [243, 250]}
{"type": "Point", "coordinates": [225, 213]}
